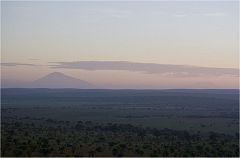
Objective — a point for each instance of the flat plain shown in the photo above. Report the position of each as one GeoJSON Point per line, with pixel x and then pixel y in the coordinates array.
{"type": "Point", "coordinates": [192, 111]}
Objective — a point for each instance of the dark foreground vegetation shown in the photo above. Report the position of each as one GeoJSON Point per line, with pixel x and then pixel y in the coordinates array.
{"type": "Point", "coordinates": [64, 138]}
{"type": "Point", "coordinates": [73, 122]}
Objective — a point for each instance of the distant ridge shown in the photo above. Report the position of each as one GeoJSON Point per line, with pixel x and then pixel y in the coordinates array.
{"type": "Point", "coordinates": [60, 80]}
{"type": "Point", "coordinates": [53, 80]}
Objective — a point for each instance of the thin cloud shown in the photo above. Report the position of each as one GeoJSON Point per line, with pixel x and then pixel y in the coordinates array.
{"type": "Point", "coordinates": [215, 14]}
{"type": "Point", "coordinates": [149, 68]}
{"type": "Point", "coordinates": [113, 13]}
{"type": "Point", "coordinates": [33, 59]}
{"type": "Point", "coordinates": [180, 15]}
{"type": "Point", "coordinates": [17, 64]}
{"type": "Point", "coordinates": [120, 14]}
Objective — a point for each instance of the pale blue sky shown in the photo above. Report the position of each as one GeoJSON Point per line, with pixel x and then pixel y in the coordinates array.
{"type": "Point", "coordinates": [180, 33]}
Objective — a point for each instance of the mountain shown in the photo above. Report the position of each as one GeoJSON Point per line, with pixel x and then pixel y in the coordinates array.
{"type": "Point", "coordinates": [52, 80]}
{"type": "Point", "coordinates": [59, 80]}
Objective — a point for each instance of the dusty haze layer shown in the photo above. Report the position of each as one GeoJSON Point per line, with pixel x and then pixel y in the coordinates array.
{"type": "Point", "coordinates": [122, 44]}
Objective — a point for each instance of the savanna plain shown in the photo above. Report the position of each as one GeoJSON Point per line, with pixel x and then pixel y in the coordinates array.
{"type": "Point", "coordinates": [97, 122]}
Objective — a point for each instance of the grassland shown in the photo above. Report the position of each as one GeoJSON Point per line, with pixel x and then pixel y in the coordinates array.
{"type": "Point", "coordinates": [209, 117]}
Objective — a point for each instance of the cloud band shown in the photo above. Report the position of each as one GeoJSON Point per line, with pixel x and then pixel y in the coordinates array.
{"type": "Point", "coordinates": [150, 68]}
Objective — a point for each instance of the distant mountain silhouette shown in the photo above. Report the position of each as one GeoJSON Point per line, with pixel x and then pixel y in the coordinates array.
{"type": "Point", "coordinates": [59, 80]}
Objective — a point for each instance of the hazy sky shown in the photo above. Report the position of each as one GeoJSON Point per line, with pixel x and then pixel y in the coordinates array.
{"type": "Point", "coordinates": [202, 34]}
